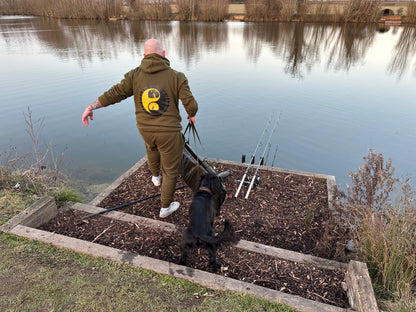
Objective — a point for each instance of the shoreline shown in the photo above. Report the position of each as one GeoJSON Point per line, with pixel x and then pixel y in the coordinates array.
{"type": "Point", "coordinates": [335, 12]}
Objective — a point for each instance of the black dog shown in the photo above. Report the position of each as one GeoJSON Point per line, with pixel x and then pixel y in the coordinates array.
{"type": "Point", "coordinates": [209, 196]}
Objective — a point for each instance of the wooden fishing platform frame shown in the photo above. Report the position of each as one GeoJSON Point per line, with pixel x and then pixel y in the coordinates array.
{"type": "Point", "coordinates": [357, 280]}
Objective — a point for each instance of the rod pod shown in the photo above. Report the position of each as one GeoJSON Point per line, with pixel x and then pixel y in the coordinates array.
{"type": "Point", "coordinates": [252, 159]}
{"type": "Point", "coordinates": [261, 160]}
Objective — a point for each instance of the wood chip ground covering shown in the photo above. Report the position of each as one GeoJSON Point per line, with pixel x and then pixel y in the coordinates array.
{"type": "Point", "coordinates": [284, 210]}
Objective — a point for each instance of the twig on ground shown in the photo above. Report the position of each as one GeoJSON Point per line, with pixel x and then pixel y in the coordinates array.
{"type": "Point", "coordinates": [102, 233]}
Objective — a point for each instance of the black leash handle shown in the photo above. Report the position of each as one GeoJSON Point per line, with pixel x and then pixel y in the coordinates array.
{"type": "Point", "coordinates": [128, 204]}
{"type": "Point", "coordinates": [191, 127]}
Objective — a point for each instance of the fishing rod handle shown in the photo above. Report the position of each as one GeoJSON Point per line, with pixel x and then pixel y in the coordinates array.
{"type": "Point", "coordinates": [241, 184]}
{"type": "Point", "coordinates": [250, 187]}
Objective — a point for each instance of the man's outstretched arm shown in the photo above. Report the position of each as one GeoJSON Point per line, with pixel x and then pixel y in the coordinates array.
{"type": "Point", "coordinates": [88, 111]}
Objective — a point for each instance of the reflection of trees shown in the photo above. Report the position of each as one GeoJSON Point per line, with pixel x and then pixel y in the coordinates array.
{"type": "Point", "coordinates": [84, 40]}
{"type": "Point", "coordinates": [195, 38]}
{"type": "Point", "coordinates": [302, 46]}
{"type": "Point", "coordinates": [294, 42]}
{"type": "Point", "coordinates": [350, 43]}
{"type": "Point", "coordinates": [405, 50]}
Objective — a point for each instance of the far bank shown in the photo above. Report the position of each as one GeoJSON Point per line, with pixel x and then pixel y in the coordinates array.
{"type": "Point", "coordinates": [397, 12]}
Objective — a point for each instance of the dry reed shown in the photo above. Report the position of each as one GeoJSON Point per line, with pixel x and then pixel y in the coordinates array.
{"type": "Point", "coordinates": [188, 10]}
{"type": "Point", "coordinates": [263, 10]}
{"type": "Point", "coordinates": [411, 12]}
{"type": "Point", "coordinates": [382, 219]}
{"type": "Point", "coordinates": [213, 10]}
{"type": "Point", "coordinates": [362, 11]}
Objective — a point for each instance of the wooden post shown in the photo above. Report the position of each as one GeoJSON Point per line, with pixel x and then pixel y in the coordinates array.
{"type": "Point", "coordinates": [359, 288]}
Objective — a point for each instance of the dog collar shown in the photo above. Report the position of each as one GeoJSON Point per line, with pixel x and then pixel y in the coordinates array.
{"type": "Point", "coordinates": [203, 188]}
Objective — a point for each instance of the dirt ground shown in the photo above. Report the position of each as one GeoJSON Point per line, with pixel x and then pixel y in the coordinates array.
{"type": "Point", "coordinates": [284, 210]}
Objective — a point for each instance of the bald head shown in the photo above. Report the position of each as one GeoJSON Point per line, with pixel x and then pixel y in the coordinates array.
{"type": "Point", "coordinates": [153, 46]}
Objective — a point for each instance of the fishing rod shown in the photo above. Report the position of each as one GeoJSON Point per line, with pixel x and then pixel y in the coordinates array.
{"type": "Point", "coordinates": [260, 162]}
{"type": "Point", "coordinates": [252, 159]}
{"type": "Point", "coordinates": [274, 157]}
{"type": "Point", "coordinates": [128, 204]}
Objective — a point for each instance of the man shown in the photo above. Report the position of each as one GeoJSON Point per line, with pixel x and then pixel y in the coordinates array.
{"type": "Point", "coordinates": [157, 89]}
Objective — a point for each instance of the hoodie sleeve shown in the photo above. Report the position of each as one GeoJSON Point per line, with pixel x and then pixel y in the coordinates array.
{"type": "Point", "coordinates": [118, 92]}
{"type": "Point", "coordinates": [186, 97]}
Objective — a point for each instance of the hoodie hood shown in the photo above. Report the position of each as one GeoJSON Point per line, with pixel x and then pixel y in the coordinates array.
{"type": "Point", "coordinates": [153, 63]}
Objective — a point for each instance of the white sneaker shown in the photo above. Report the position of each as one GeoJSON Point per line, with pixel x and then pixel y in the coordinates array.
{"type": "Point", "coordinates": [164, 212]}
{"type": "Point", "coordinates": [157, 180]}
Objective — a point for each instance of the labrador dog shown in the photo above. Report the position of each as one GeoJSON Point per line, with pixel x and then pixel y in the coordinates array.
{"type": "Point", "coordinates": [206, 203]}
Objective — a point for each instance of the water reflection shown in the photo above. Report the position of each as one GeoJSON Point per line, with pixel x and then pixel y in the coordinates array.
{"type": "Point", "coordinates": [352, 43]}
{"type": "Point", "coordinates": [300, 46]}
{"type": "Point", "coordinates": [303, 46]}
{"type": "Point", "coordinates": [197, 38]}
{"type": "Point", "coordinates": [404, 50]}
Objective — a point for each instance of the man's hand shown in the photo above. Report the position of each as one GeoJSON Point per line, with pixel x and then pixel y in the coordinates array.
{"type": "Point", "coordinates": [88, 112]}
{"type": "Point", "coordinates": [192, 120]}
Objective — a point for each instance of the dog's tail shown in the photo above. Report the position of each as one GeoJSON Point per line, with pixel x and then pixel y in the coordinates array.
{"type": "Point", "coordinates": [228, 235]}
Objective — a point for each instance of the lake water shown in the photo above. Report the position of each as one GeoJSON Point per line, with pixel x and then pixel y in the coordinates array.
{"type": "Point", "coordinates": [336, 91]}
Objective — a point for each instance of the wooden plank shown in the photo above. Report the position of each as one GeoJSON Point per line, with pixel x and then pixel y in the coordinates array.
{"type": "Point", "coordinates": [40, 212]}
{"type": "Point", "coordinates": [126, 217]}
{"type": "Point", "coordinates": [359, 288]}
{"type": "Point", "coordinates": [243, 244]}
{"type": "Point", "coordinates": [291, 255]}
{"type": "Point", "coordinates": [207, 279]}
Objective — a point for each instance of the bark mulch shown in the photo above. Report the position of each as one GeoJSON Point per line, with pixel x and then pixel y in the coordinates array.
{"type": "Point", "coordinates": [284, 210]}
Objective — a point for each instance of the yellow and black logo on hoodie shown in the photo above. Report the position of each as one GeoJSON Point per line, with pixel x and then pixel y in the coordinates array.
{"type": "Point", "coordinates": [154, 100]}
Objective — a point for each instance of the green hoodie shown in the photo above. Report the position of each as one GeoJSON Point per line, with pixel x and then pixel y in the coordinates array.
{"type": "Point", "coordinates": [157, 89]}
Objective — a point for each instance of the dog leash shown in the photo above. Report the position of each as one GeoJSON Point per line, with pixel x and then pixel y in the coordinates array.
{"type": "Point", "coordinates": [191, 128]}
{"type": "Point", "coordinates": [128, 204]}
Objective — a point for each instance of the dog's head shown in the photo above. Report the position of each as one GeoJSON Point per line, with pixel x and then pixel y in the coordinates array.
{"type": "Point", "coordinates": [213, 182]}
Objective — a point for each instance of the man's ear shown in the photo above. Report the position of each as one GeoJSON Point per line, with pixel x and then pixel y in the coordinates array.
{"type": "Point", "coordinates": [164, 53]}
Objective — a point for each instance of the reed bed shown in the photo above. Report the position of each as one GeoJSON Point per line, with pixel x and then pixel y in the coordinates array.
{"type": "Point", "coordinates": [362, 11]}
{"type": "Point", "coordinates": [351, 11]}
{"type": "Point", "coordinates": [188, 10]}
{"type": "Point", "coordinates": [265, 10]}
{"type": "Point", "coordinates": [213, 10]}
{"type": "Point", "coordinates": [100, 9]}
{"type": "Point", "coordinates": [158, 10]}
{"type": "Point", "coordinates": [319, 11]}
{"type": "Point", "coordinates": [312, 11]}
